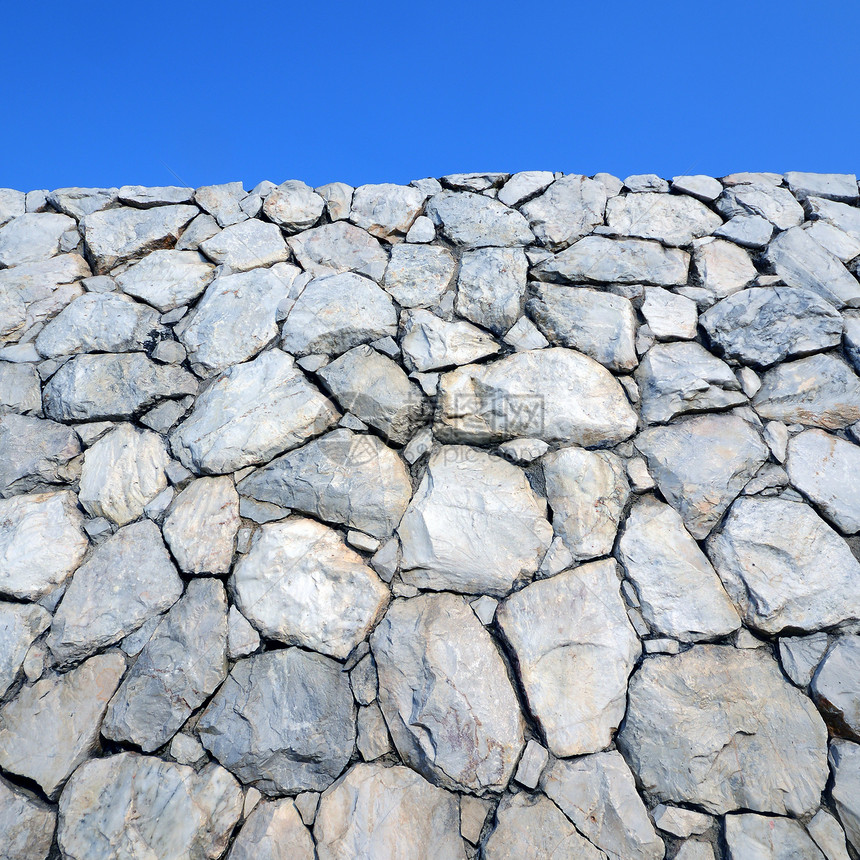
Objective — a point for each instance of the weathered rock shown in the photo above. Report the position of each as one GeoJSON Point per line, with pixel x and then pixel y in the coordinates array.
{"type": "Point", "coordinates": [836, 689]}
{"type": "Point", "coordinates": [386, 210]}
{"type": "Point", "coordinates": [342, 477]}
{"type": "Point", "coordinates": [721, 268]}
{"type": "Point", "coordinates": [761, 198]}
{"type": "Point", "coordinates": [574, 649]}
{"type": "Point", "coordinates": [801, 262]}
{"type": "Point", "coordinates": [552, 394]}
{"type": "Point", "coordinates": [673, 219]}
{"type": "Point", "coordinates": [130, 805]}
{"type": "Point", "coordinates": [675, 378]}
{"type": "Point", "coordinates": [19, 389]}
{"type": "Point", "coordinates": [20, 625]}
{"type": "Point", "coordinates": [372, 734]}
{"type": "Point", "coordinates": [203, 227]}
{"type": "Point", "coordinates": [283, 721]}
{"type": "Point", "coordinates": [53, 726]}
{"type": "Point", "coordinates": [294, 205]}
{"type": "Point", "coordinates": [598, 794]}
{"type": "Point", "coordinates": [99, 322]}
{"type": "Point", "coordinates": [273, 830]}
{"type": "Point", "coordinates": [679, 592]}
{"type": "Point", "coordinates": [784, 567]}
{"type": "Point", "coordinates": [146, 197]}
{"type": "Point", "coordinates": [669, 316]}
{"type": "Point", "coordinates": [33, 237]}
{"type": "Point", "coordinates": [94, 387]}
{"type": "Point", "coordinates": [832, 186]}
{"type": "Point", "coordinates": [524, 186]}
{"type": "Point", "coordinates": [127, 580]}
{"type": "Point", "coordinates": [532, 826]}
{"type": "Point", "coordinates": [12, 204]}
{"type": "Point", "coordinates": [720, 728]}
{"type": "Point", "coordinates": [122, 472]}
{"type": "Point", "coordinates": [115, 235]}
{"type": "Point", "coordinates": [532, 764]}
{"type": "Point", "coordinates": [587, 491]}
{"type": "Point", "coordinates": [491, 287]}
{"type": "Point", "coordinates": [431, 343]}
{"type": "Point", "coordinates": [701, 465]}
{"type": "Point", "coordinates": [201, 526]}
{"type": "Point", "coordinates": [418, 275]}
{"type": "Point", "coordinates": [251, 413]}
{"type": "Point", "coordinates": [167, 279]}
{"type": "Point", "coordinates": [336, 313]}
{"type": "Point", "coordinates": [758, 837]}
{"type": "Point", "coordinates": [766, 325]}
{"type": "Point", "coordinates": [824, 468]}
{"type": "Point", "coordinates": [475, 221]}
{"type": "Point", "coordinates": [622, 261]}
{"type": "Point", "coordinates": [339, 247]}
{"type": "Point", "coordinates": [177, 670]}
{"type": "Point", "coordinates": [299, 584]}
{"type": "Point", "coordinates": [338, 199]}
{"type": "Point", "coordinates": [78, 202]}
{"type": "Point", "coordinates": [800, 656]}
{"type": "Point", "coordinates": [474, 525]}
{"type": "Point", "coordinates": [821, 391]}
{"type": "Point", "coordinates": [699, 186]}
{"type": "Point", "coordinates": [599, 324]}
{"type": "Point", "coordinates": [247, 245]}
{"type": "Point", "coordinates": [444, 691]}
{"type": "Point", "coordinates": [845, 765]}
{"type": "Point", "coordinates": [242, 638]}
{"type": "Point", "coordinates": [42, 542]}
{"type": "Point", "coordinates": [828, 835]}
{"type": "Point", "coordinates": [748, 231]}
{"type": "Point", "coordinates": [35, 452]}
{"type": "Point", "coordinates": [568, 210]}
{"type": "Point", "coordinates": [377, 811]}
{"type": "Point", "coordinates": [222, 202]}
{"type": "Point", "coordinates": [27, 824]}
{"type": "Point", "coordinates": [681, 822]}
{"type": "Point", "coordinates": [842, 245]}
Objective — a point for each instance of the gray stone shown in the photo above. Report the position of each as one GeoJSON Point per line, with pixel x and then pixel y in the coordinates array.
{"type": "Point", "coordinates": [681, 822]}
{"type": "Point", "coordinates": [364, 681]}
{"type": "Point", "coordinates": [748, 231]}
{"type": "Point", "coordinates": [784, 567]}
{"type": "Point", "coordinates": [372, 735]}
{"type": "Point", "coordinates": [701, 465]}
{"type": "Point", "coordinates": [242, 639]}
{"type": "Point", "coordinates": [445, 694]}
{"type": "Point", "coordinates": [417, 276]}
{"type": "Point", "coordinates": [531, 764]}
{"type": "Point", "coordinates": [130, 805]}
{"type": "Point", "coordinates": [20, 626]}
{"type": "Point", "coordinates": [620, 261]}
{"type": "Point", "coordinates": [587, 491]}
{"type": "Point", "coordinates": [474, 525]}
{"type": "Point", "coordinates": [251, 413]}
{"type": "Point", "coordinates": [430, 343]}
{"type": "Point", "coordinates": [532, 826]}
{"type": "Point", "coordinates": [474, 221]}
{"type": "Point", "coordinates": [261, 512]}
{"type": "Point", "coordinates": [201, 527]}
{"type": "Point", "coordinates": [568, 210]}
{"type": "Point", "coordinates": [757, 837]}
{"type": "Point", "coordinates": [835, 687]}
{"type": "Point", "coordinates": [801, 262]}
{"type": "Point", "coordinates": [116, 235]}
{"type": "Point", "coordinates": [845, 765]}
{"type": "Point", "coordinates": [524, 335]}
{"type": "Point", "coordinates": [169, 352]}
{"type": "Point", "coordinates": [825, 468]}
{"type": "Point", "coordinates": [294, 205]}
{"type": "Point", "coordinates": [678, 590]}
{"type": "Point", "coordinates": [340, 247]}
{"type": "Point", "coordinates": [12, 204]}
{"type": "Point", "coordinates": [273, 830]}
{"type": "Point", "coordinates": [221, 202]}
{"type": "Point", "coordinates": [19, 389]}
{"type": "Point", "coordinates": [99, 322]}
{"type": "Point", "coordinates": [524, 186]}
{"type": "Point", "coordinates": [33, 237]}
{"type": "Point", "coordinates": [669, 316]}
{"type": "Point", "coordinates": [336, 313]}
{"type": "Point", "coordinates": [491, 287]}
{"type": "Point", "coordinates": [839, 243]}
{"type": "Point", "coordinates": [598, 794]}
{"type": "Point", "coordinates": [167, 279]}
{"type": "Point", "coordinates": [27, 824]}
{"type": "Point", "coordinates": [828, 835]}
{"type": "Point", "coordinates": [420, 820]}
{"type": "Point", "coordinates": [846, 218]}
{"type": "Point", "coordinates": [761, 198]}
{"type": "Point", "coordinates": [766, 325]}
{"type": "Point", "coordinates": [386, 210]}
{"type": "Point", "coordinates": [41, 543]}
{"type": "Point", "coordinates": [821, 391]}
{"type": "Point", "coordinates": [800, 655]}
{"type": "Point", "coordinates": [203, 227]}
{"type": "Point", "coordinates": [35, 452]}
{"type": "Point", "coordinates": [105, 385]}
{"type": "Point", "coordinates": [422, 230]}
{"type": "Point", "coordinates": [338, 199]}
{"type": "Point", "coordinates": [283, 721]}
{"type": "Point", "coordinates": [127, 580]}
{"type": "Point", "coordinates": [478, 182]}
{"type": "Point", "coordinates": [342, 477]}
{"type": "Point", "coordinates": [186, 749]}
{"type": "Point", "coordinates": [574, 649]}
{"type": "Point", "coordinates": [298, 583]}
{"type": "Point", "coordinates": [832, 186]}
{"type": "Point", "coordinates": [146, 197]}
{"type": "Point", "coordinates": [721, 268]}
{"type": "Point", "coordinates": [177, 670]}
{"type": "Point", "coordinates": [673, 219]}
{"type": "Point", "coordinates": [557, 395]}
{"type": "Point", "coordinates": [78, 202]}
{"type": "Point", "coordinates": [721, 729]}
{"type": "Point", "coordinates": [247, 245]}
{"type": "Point", "coordinates": [53, 726]}
{"type": "Point", "coordinates": [640, 183]}
{"type": "Point", "coordinates": [473, 815]}
{"type": "Point", "coordinates": [701, 187]}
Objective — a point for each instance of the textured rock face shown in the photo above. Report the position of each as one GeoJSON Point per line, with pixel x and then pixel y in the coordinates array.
{"type": "Point", "coordinates": [273, 829]}
{"type": "Point", "coordinates": [167, 279]}
{"type": "Point", "coordinates": [758, 836]}
{"type": "Point", "coordinates": [35, 452]}
{"type": "Point", "coordinates": [27, 824]}
{"type": "Point", "coordinates": [445, 694]}
{"type": "Point", "coordinates": [721, 728]}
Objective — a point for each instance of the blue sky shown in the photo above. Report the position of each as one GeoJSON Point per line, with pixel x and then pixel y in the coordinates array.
{"type": "Point", "coordinates": [161, 93]}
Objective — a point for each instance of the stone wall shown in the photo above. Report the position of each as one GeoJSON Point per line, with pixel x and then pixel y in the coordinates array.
{"type": "Point", "coordinates": [504, 517]}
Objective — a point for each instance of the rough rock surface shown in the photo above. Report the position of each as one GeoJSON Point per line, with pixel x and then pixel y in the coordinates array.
{"type": "Point", "coordinates": [757, 836]}
{"type": "Point", "coordinates": [167, 279]}
{"type": "Point", "coordinates": [35, 453]}
{"type": "Point", "coordinates": [27, 824]}
{"type": "Point", "coordinates": [20, 625]}
{"type": "Point", "coordinates": [273, 829]}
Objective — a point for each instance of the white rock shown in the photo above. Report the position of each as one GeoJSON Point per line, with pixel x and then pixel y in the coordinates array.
{"type": "Point", "coordinates": [681, 822]}
{"type": "Point", "coordinates": [832, 186]}
{"type": "Point", "coordinates": [777, 205]}
{"type": "Point", "coordinates": [167, 279]}
{"type": "Point", "coordinates": [473, 815]}
{"type": "Point", "coordinates": [835, 688]}
{"type": "Point", "coordinates": [77, 202]}
{"type": "Point", "coordinates": [568, 210]}
{"type": "Point", "coordinates": [748, 231]}
{"type": "Point", "coordinates": [417, 276]}
{"type": "Point", "coordinates": [640, 183]}
{"type": "Point", "coordinates": [338, 199]}
{"type": "Point", "coordinates": [474, 221]}
{"type": "Point", "coordinates": [673, 219]}
{"type": "Point", "coordinates": [430, 343]}
{"type": "Point", "coordinates": [840, 215]}
{"type": "Point", "coordinates": [339, 247]}
{"type": "Point", "coordinates": [12, 204]}
{"type": "Point", "coordinates": [524, 335]}
{"type": "Point", "coordinates": [275, 830]}
{"type": "Point", "coordinates": [523, 451]}
{"type": "Point", "coordinates": [144, 197]}
{"type": "Point", "coordinates": [222, 202]}
{"type": "Point", "coordinates": [669, 316]}
{"type": "Point", "coordinates": [20, 626]}
{"type": "Point", "coordinates": [33, 237]}
{"type": "Point", "coordinates": [294, 205]}
{"type": "Point", "coordinates": [800, 656]}
{"type": "Point", "coordinates": [525, 185]}
{"type": "Point", "coordinates": [203, 227]}
{"type": "Point", "coordinates": [839, 243]}
{"type": "Point", "coordinates": [421, 231]}
{"type": "Point", "coordinates": [19, 389]}
{"type": "Point", "coordinates": [845, 765]}
{"type": "Point", "coordinates": [701, 187]}
{"type": "Point", "coordinates": [247, 245]}
{"type": "Point", "coordinates": [828, 835]}
{"type": "Point", "coordinates": [756, 837]}
{"type": "Point", "coordinates": [721, 268]}
{"type": "Point", "coordinates": [531, 764]}
{"type": "Point", "coordinates": [491, 287]}
{"type": "Point", "coordinates": [386, 210]}
{"type": "Point", "coordinates": [27, 824]}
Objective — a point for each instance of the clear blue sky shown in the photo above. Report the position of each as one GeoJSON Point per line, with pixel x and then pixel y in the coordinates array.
{"type": "Point", "coordinates": [158, 93]}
